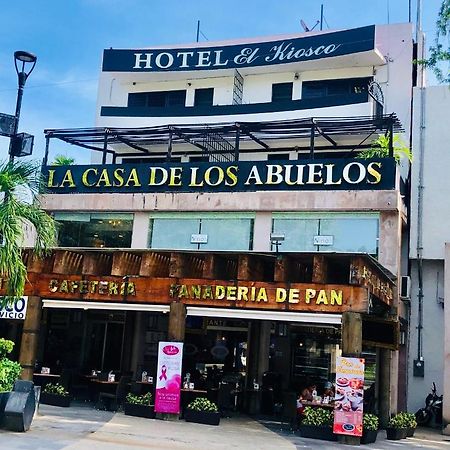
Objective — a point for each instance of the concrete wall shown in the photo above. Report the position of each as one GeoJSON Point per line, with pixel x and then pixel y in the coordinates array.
{"type": "Point", "coordinates": [433, 333]}
{"type": "Point", "coordinates": [446, 409]}
{"type": "Point", "coordinates": [434, 218]}
{"type": "Point", "coordinates": [436, 181]}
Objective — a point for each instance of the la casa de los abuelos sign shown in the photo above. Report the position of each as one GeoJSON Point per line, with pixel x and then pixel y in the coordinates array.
{"type": "Point", "coordinates": [334, 174]}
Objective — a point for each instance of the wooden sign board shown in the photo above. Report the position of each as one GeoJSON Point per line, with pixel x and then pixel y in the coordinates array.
{"type": "Point", "coordinates": [302, 297]}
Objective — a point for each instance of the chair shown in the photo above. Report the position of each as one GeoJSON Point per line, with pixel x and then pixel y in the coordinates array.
{"type": "Point", "coordinates": [289, 410]}
{"type": "Point", "coordinates": [112, 401]}
{"type": "Point", "coordinates": [225, 399]}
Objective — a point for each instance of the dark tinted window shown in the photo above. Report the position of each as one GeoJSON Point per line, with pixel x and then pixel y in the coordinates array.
{"type": "Point", "coordinates": [328, 88]}
{"type": "Point", "coordinates": [204, 97]}
{"type": "Point", "coordinates": [282, 92]}
{"type": "Point", "coordinates": [277, 156]}
{"type": "Point", "coordinates": [160, 99]}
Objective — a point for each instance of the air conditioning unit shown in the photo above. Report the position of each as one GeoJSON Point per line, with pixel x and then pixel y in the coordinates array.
{"type": "Point", "coordinates": [405, 287]}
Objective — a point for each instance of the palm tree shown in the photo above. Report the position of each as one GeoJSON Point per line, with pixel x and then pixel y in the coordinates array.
{"type": "Point", "coordinates": [380, 149]}
{"type": "Point", "coordinates": [62, 160]}
{"type": "Point", "coordinates": [17, 181]}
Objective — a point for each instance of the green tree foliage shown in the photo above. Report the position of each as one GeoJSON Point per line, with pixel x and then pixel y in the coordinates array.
{"type": "Point", "coordinates": [9, 370]}
{"type": "Point", "coordinates": [61, 160]}
{"type": "Point", "coordinates": [380, 149]}
{"type": "Point", "coordinates": [17, 179]}
{"type": "Point", "coordinates": [439, 53]}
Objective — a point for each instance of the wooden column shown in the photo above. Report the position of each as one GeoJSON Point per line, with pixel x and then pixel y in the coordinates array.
{"type": "Point", "coordinates": [30, 336]}
{"type": "Point", "coordinates": [351, 347]}
{"type": "Point", "coordinates": [384, 378]}
{"type": "Point", "coordinates": [177, 322]}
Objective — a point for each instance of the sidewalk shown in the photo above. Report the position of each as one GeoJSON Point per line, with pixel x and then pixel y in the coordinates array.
{"type": "Point", "coordinates": [82, 428]}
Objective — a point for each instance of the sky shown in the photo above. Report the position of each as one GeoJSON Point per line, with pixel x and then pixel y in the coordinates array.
{"type": "Point", "coordinates": [68, 37]}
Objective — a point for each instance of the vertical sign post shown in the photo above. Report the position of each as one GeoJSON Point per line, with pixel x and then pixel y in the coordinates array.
{"type": "Point", "coordinates": [348, 404]}
{"type": "Point", "coordinates": [168, 378]}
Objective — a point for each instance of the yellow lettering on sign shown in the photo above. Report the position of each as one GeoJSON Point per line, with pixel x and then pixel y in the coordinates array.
{"type": "Point", "coordinates": [133, 178]}
{"type": "Point", "coordinates": [309, 294]}
{"type": "Point", "coordinates": [183, 292]}
{"type": "Point", "coordinates": [262, 295]}
{"type": "Point", "coordinates": [220, 175]}
{"type": "Point", "coordinates": [85, 177]}
{"type": "Point", "coordinates": [242, 293]}
{"type": "Point", "coordinates": [175, 176]}
{"type": "Point", "coordinates": [294, 295]}
{"type": "Point", "coordinates": [113, 288]}
{"type": "Point", "coordinates": [104, 179]}
{"type": "Point", "coordinates": [51, 177]}
{"type": "Point", "coordinates": [118, 177]}
{"type": "Point", "coordinates": [322, 298]}
{"type": "Point", "coordinates": [64, 286]}
{"type": "Point", "coordinates": [68, 178]}
{"type": "Point", "coordinates": [196, 291]}
{"type": "Point", "coordinates": [336, 297]}
{"type": "Point", "coordinates": [93, 286]}
{"type": "Point", "coordinates": [220, 292]}
{"type": "Point", "coordinates": [83, 287]}
{"type": "Point", "coordinates": [232, 176]}
{"type": "Point", "coordinates": [375, 174]}
{"type": "Point", "coordinates": [194, 182]}
{"type": "Point", "coordinates": [53, 286]}
{"type": "Point", "coordinates": [102, 287]}
{"type": "Point", "coordinates": [207, 293]}
{"type": "Point", "coordinates": [231, 292]}
{"type": "Point", "coordinates": [280, 295]}
{"type": "Point", "coordinates": [253, 177]}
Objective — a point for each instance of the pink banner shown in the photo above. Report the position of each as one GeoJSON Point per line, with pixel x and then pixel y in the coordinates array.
{"type": "Point", "coordinates": [348, 400]}
{"type": "Point", "coordinates": [168, 378]}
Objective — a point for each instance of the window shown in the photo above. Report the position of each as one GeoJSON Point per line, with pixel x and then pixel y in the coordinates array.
{"type": "Point", "coordinates": [335, 88]}
{"type": "Point", "coordinates": [159, 99]}
{"type": "Point", "coordinates": [349, 232]}
{"type": "Point", "coordinates": [204, 97]}
{"type": "Point", "coordinates": [110, 230]}
{"type": "Point", "coordinates": [282, 92]}
{"type": "Point", "coordinates": [222, 231]}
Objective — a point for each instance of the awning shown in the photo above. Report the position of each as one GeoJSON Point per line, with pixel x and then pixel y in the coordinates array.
{"type": "Point", "coordinates": [102, 305]}
{"type": "Point", "coordinates": [282, 316]}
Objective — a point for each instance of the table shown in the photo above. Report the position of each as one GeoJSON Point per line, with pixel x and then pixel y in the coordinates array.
{"type": "Point", "coordinates": [45, 378]}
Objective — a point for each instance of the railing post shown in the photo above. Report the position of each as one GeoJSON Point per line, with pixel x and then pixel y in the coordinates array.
{"type": "Point", "coordinates": [311, 140]}
{"type": "Point", "coordinates": [236, 142]}
{"type": "Point", "coordinates": [169, 147]}
{"type": "Point", "coordinates": [391, 136]}
{"type": "Point", "coordinates": [105, 146]}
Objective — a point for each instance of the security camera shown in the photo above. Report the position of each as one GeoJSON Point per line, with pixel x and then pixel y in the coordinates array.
{"type": "Point", "coordinates": [277, 237]}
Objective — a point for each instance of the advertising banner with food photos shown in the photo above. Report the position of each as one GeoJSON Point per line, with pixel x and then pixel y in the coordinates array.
{"type": "Point", "coordinates": [168, 378]}
{"type": "Point", "coordinates": [348, 400]}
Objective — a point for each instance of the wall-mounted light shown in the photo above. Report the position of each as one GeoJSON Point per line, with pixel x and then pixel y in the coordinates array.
{"type": "Point", "coordinates": [296, 76]}
{"type": "Point", "coordinates": [277, 239]}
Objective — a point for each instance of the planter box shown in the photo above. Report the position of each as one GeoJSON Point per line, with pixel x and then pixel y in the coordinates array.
{"type": "Point", "coordinates": [369, 436]}
{"type": "Point", "coordinates": [147, 411]}
{"type": "Point", "coordinates": [410, 431]}
{"type": "Point", "coordinates": [395, 434]}
{"type": "Point", "coordinates": [205, 417]}
{"type": "Point", "coordinates": [55, 399]}
{"type": "Point", "coordinates": [313, 432]}
{"type": "Point", "coordinates": [4, 396]}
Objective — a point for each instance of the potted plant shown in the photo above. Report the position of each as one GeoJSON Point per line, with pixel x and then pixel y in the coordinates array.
{"type": "Point", "coordinates": [201, 410]}
{"type": "Point", "coordinates": [139, 405]}
{"type": "Point", "coordinates": [370, 428]}
{"type": "Point", "coordinates": [410, 422]}
{"type": "Point", "coordinates": [317, 424]}
{"type": "Point", "coordinates": [397, 428]}
{"type": "Point", "coordinates": [55, 395]}
{"type": "Point", "coordinates": [9, 373]}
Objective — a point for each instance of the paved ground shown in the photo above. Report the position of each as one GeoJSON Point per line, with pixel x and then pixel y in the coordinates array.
{"type": "Point", "coordinates": [82, 428]}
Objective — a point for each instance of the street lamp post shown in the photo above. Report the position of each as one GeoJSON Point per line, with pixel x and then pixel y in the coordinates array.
{"type": "Point", "coordinates": [22, 60]}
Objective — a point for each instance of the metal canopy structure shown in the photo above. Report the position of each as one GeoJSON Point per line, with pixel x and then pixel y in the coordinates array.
{"type": "Point", "coordinates": [221, 142]}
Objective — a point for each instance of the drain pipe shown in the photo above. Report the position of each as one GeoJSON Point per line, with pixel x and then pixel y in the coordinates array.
{"type": "Point", "coordinates": [419, 364]}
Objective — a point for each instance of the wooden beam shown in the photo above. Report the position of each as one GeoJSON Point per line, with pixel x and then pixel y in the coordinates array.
{"type": "Point", "coordinates": [177, 320]}
{"type": "Point", "coordinates": [125, 263]}
{"type": "Point", "coordinates": [95, 263]}
{"type": "Point", "coordinates": [320, 269]}
{"type": "Point", "coordinates": [155, 265]}
{"type": "Point", "coordinates": [67, 262]}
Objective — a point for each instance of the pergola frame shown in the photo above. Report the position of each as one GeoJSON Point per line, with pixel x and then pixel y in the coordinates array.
{"type": "Point", "coordinates": [222, 141]}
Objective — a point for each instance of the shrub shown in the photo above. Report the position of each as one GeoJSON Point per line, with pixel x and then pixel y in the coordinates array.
{"type": "Point", "coordinates": [56, 389]}
{"type": "Point", "coordinates": [9, 370]}
{"type": "Point", "coordinates": [145, 399]}
{"type": "Point", "coordinates": [370, 422]}
{"type": "Point", "coordinates": [6, 347]}
{"type": "Point", "coordinates": [317, 417]}
{"type": "Point", "coordinates": [409, 419]}
{"type": "Point", "coordinates": [398, 421]}
{"type": "Point", "coordinates": [202, 404]}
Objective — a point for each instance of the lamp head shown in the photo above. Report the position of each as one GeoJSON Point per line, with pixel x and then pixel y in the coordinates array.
{"type": "Point", "coordinates": [26, 57]}
{"type": "Point", "coordinates": [21, 59]}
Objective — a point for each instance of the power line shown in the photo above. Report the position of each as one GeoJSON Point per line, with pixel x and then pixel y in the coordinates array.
{"type": "Point", "coordinates": [51, 84]}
